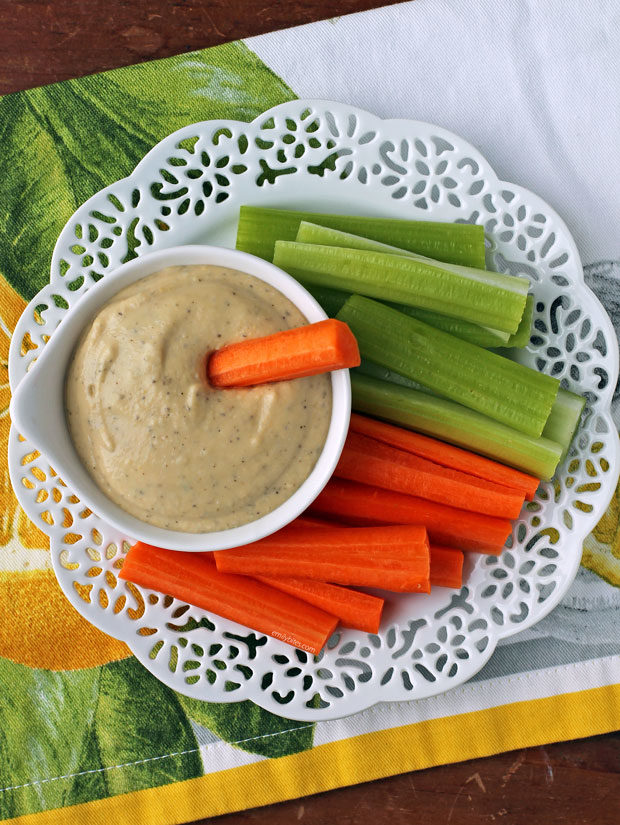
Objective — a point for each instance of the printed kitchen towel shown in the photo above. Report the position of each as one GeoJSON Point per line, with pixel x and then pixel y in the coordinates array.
{"type": "Point", "coordinates": [83, 727]}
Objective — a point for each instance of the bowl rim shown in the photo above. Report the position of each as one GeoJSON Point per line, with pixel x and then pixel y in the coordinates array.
{"type": "Point", "coordinates": [51, 440]}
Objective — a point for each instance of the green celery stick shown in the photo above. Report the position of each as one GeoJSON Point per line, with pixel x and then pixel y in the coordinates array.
{"type": "Point", "coordinates": [481, 380]}
{"type": "Point", "coordinates": [332, 301]}
{"type": "Point", "coordinates": [474, 333]}
{"type": "Point", "coordinates": [561, 425]}
{"type": "Point", "coordinates": [326, 236]}
{"type": "Point", "coordinates": [480, 336]}
{"type": "Point", "coordinates": [380, 373]}
{"type": "Point", "coordinates": [460, 243]}
{"type": "Point", "coordinates": [521, 338]}
{"type": "Point", "coordinates": [455, 424]}
{"type": "Point", "coordinates": [482, 297]}
{"type": "Point", "coordinates": [564, 418]}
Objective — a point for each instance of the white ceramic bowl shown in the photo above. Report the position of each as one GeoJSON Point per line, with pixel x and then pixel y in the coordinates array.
{"type": "Point", "coordinates": [38, 408]}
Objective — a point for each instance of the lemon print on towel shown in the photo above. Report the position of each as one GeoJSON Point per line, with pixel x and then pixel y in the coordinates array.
{"type": "Point", "coordinates": [601, 550]}
{"type": "Point", "coordinates": [44, 631]}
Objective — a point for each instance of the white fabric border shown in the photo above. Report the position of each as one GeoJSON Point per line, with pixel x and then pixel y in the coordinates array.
{"type": "Point", "coordinates": [474, 696]}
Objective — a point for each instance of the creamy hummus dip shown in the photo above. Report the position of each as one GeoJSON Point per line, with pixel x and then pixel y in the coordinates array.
{"type": "Point", "coordinates": [158, 440]}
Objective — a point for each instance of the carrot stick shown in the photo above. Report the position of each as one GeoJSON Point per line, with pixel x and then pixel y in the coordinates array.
{"type": "Point", "coordinates": [446, 567]}
{"type": "Point", "coordinates": [354, 609]}
{"type": "Point", "coordinates": [193, 577]}
{"type": "Point", "coordinates": [369, 461]}
{"type": "Point", "coordinates": [392, 557]}
{"type": "Point", "coordinates": [446, 571]}
{"type": "Point", "coordinates": [355, 503]}
{"type": "Point", "coordinates": [445, 454]}
{"type": "Point", "coordinates": [306, 520]}
{"type": "Point", "coordinates": [375, 447]}
{"type": "Point", "coordinates": [294, 353]}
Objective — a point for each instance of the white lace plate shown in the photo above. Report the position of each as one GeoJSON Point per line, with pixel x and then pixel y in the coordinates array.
{"type": "Point", "coordinates": [330, 157]}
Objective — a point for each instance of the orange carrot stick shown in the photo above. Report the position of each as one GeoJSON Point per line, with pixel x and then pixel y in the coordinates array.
{"type": "Point", "coordinates": [445, 454]}
{"type": "Point", "coordinates": [306, 520]}
{"type": "Point", "coordinates": [446, 571]}
{"type": "Point", "coordinates": [360, 504]}
{"type": "Point", "coordinates": [369, 461]}
{"type": "Point", "coordinates": [294, 353]}
{"type": "Point", "coordinates": [446, 567]}
{"type": "Point", "coordinates": [194, 578]}
{"type": "Point", "coordinates": [393, 557]}
{"type": "Point", "coordinates": [354, 609]}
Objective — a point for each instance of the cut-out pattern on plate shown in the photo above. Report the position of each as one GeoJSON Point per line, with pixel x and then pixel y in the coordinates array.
{"type": "Point", "coordinates": [324, 156]}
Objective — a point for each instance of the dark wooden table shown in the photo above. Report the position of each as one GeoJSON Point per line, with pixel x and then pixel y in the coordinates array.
{"type": "Point", "coordinates": [573, 782]}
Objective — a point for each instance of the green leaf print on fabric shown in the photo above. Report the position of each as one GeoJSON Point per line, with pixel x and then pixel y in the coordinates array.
{"type": "Point", "coordinates": [251, 728]}
{"type": "Point", "coordinates": [44, 720]}
{"type": "Point", "coordinates": [72, 737]}
{"type": "Point", "coordinates": [140, 726]}
{"type": "Point", "coordinates": [63, 143]}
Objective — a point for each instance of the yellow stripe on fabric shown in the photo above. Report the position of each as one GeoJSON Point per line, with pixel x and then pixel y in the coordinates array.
{"type": "Point", "coordinates": [359, 759]}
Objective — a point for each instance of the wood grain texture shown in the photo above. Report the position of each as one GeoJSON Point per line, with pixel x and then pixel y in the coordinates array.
{"type": "Point", "coordinates": [43, 42]}
{"type": "Point", "coordinates": [572, 783]}
{"type": "Point", "coordinates": [563, 784]}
